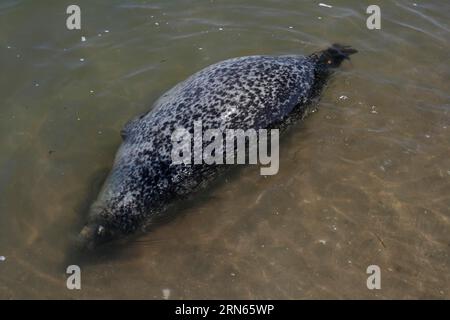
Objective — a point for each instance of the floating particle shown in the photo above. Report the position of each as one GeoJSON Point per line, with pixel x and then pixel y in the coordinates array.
{"type": "Point", "coordinates": [81, 59]}
{"type": "Point", "coordinates": [91, 91]}
{"type": "Point", "coordinates": [374, 111]}
{"type": "Point", "coordinates": [320, 18]}
{"type": "Point", "coordinates": [2, 258]}
{"type": "Point", "coordinates": [166, 293]}
{"type": "Point", "coordinates": [200, 48]}
{"type": "Point", "coordinates": [220, 29]}
{"type": "Point", "coordinates": [106, 31]}
{"type": "Point", "coordinates": [156, 23]}
{"type": "Point", "coordinates": [291, 27]}
{"type": "Point", "coordinates": [83, 39]}
{"type": "Point", "coordinates": [323, 242]}
{"type": "Point", "coordinates": [343, 97]}
{"type": "Point", "coordinates": [325, 5]}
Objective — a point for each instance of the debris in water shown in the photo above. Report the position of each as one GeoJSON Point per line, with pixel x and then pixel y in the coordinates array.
{"type": "Point", "coordinates": [374, 111]}
{"type": "Point", "coordinates": [343, 98]}
{"type": "Point", "coordinates": [2, 258]}
{"type": "Point", "coordinates": [83, 39]}
{"type": "Point", "coordinates": [220, 29]}
{"type": "Point", "coordinates": [166, 294]}
{"type": "Point", "coordinates": [81, 59]}
{"type": "Point", "coordinates": [156, 23]}
{"type": "Point", "coordinates": [323, 242]}
{"type": "Point", "coordinates": [325, 5]}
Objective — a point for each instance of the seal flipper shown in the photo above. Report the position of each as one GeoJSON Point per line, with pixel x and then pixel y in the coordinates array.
{"type": "Point", "coordinates": [334, 55]}
{"type": "Point", "coordinates": [326, 61]}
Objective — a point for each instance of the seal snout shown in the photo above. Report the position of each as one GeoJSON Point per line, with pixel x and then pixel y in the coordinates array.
{"type": "Point", "coordinates": [86, 238]}
{"type": "Point", "coordinates": [93, 235]}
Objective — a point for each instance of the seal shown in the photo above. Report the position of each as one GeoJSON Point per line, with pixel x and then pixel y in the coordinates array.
{"type": "Point", "coordinates": [250, 92]}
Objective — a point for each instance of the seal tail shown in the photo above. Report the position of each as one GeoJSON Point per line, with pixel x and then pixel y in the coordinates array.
{"type": "Point", "coordinates": [334, 55]}
{"type": "Point", "coordinates": [326, 61]}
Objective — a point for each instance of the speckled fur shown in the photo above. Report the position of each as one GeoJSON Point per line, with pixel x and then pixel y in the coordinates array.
{"type": "Point", "coordinates": [248, 92]}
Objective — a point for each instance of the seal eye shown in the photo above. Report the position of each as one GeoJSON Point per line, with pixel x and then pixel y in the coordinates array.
{"type": "Point", "coordinates": [101, 230]}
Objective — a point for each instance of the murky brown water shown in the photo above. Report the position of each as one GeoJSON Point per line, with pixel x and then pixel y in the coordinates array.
{"type": "Point", "coordinates": [365, 180]}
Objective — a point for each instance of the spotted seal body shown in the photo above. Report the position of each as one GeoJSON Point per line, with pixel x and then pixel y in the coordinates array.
{"type": "Point", "coordinates": [254, 92]}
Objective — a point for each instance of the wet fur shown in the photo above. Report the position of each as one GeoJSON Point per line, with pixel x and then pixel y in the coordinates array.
{"type": "Point", "coordinates": [257, 92]}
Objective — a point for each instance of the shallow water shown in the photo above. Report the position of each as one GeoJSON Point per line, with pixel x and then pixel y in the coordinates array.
{"type": "Point", "coordinates": [364, 180]}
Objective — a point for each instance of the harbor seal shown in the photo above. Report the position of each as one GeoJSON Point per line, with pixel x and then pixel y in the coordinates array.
{"type": "Point", "coordinates": [246, 92]}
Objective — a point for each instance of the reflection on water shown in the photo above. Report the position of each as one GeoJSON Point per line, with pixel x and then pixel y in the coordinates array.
{"type": "Point", "coordinates": [365, 180]}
